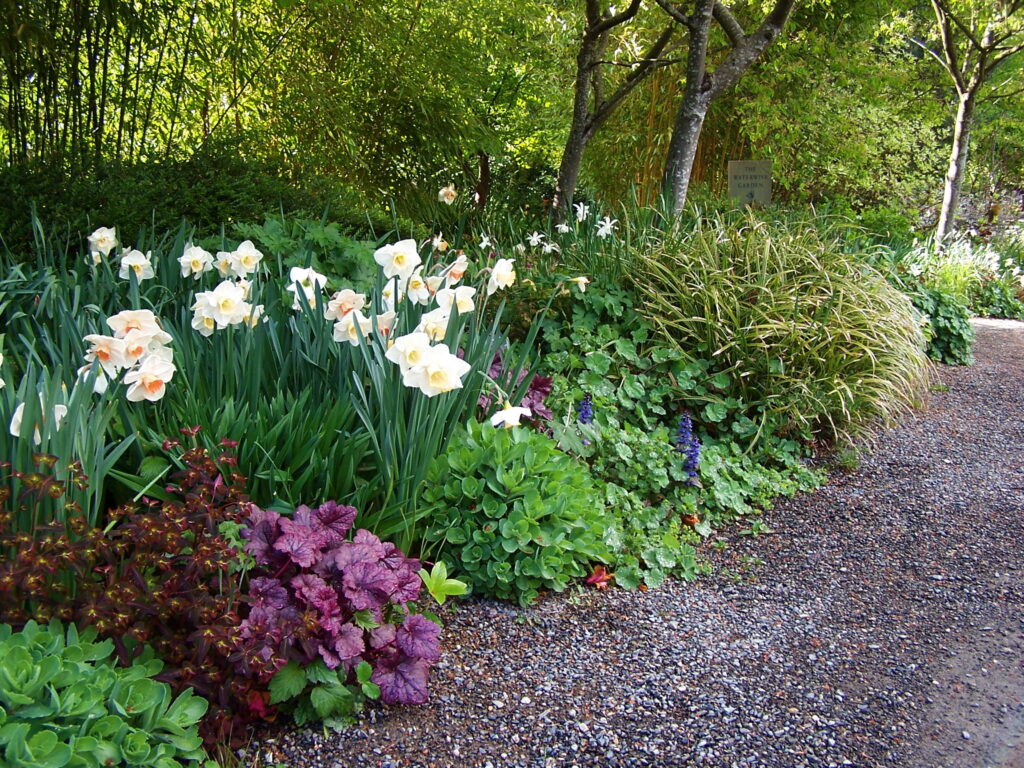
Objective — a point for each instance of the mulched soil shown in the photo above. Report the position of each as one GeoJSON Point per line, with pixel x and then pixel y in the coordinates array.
{"type": "Point", "coordinates": [881, 624]}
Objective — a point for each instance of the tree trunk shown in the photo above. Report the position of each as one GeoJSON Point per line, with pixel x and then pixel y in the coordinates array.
{"type": "Point", "coordinates": [682, 148]}
{"type": "Point", "coordinates": [957, 164]}
{"type": "Point", "coordinates": [572, 155]}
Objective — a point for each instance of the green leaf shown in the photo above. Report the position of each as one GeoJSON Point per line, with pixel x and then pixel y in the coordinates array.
{"type": "Point", "coordinates": [287, 683]}
{"type": "Point", "coordinates": [598, 362]}
{"type": "Point", "coordinates": [318, 672]}
{"type": "Point", "coordinates": [330, 700]}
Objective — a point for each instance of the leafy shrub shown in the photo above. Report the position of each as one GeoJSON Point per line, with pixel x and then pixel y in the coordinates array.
{"type": "Point", "coordinates": [802, 331]}
{"type": "Point", "coordinates": [330, 618]}
{"type": "Point", "coordinates": [162, 574]}
{"type": "Point", "coordinates": [65, 703]}
{"type": "Point", "coordinates": [998, 298]}
{"type": "Point", "coordinates": [949, 332]}
{"type": "Point", "coordinates": [514, 512]}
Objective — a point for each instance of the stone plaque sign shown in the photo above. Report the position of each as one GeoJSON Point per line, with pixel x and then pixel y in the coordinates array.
{"type": "Point", "coordinates": [750, 181]}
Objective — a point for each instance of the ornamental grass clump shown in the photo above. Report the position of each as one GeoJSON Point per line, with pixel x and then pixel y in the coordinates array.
{"type": "Point", "coordinates": [809, 338]}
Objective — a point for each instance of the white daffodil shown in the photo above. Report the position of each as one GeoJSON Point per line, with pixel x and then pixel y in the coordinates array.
{"type": "Point", "coordinates": [309, 281]}
{"type": "Point", "coordinates": [440, 372]}
{"type": "Point", "coordinates": [202, 320]}
{"type": "Point", "coordinates": [138, 263]}
{"type": "Point", "coordinates": [133, 319]}
{"type": "Point", "coordinates": [563, 228]}
{"type": "Point", "coordinates": [519, 248]}
{"type": "Point", "coordinates": [509, 416]}
{"type": "Point", "coordinates": [606, 226]}
{"type": "Point", "coordinates": [103, 241]}
{"type": "Point", "coordinates": [386, 322]}
{"type": "Point", "coordinates": [343, 302]}
{"type": "Point", "coordinates": [223, 262]}
{"type": "Point", "coordinates": [195, 261]}
{"type": "Point", "coordinates": [398, 259]}
{"type": "Point", "coordinates": [99, 385]}
{"type": "Point", "coordinates": [139, 344]}
{"type": "Point", "coordinates": [456, 270]}
{"type": "Point", "coordinates": [149, 380]}
{"type": "Point", "coordinates": [409, 351]}
{"type": "Point", "coordinates": [461, 298]}
{"type": "Point", "coordinates": [447, 194]}
{"type": "Point", "coordinates": [226, 303]}
{"type": "Point", "coordinates": [439, 243]}
{"type": "Point", "coordinates": [390, 295]}
{"type": "Point", "coordinates": [485, 243]}
{"type": "Point", "coordinates": [346, 328]}
{"type": "Point", "coordinates": [582, 211]}
{"type": "Point", "coordinates": [534, 239]}
{"type": "Point", "coordinates": [551, 248]}
{"type": "Point", "coordinates": [59, 412]}
{"type": "Point", "coordinates": [108, 350]}
{"type": "Point", "coordinates": [416, 289]}
{"type": "Point", "coordinates": [503, 274]}
{"type": "Point", "coordinates": [434, 324]}
{"type": "Point", "coordinates": [581, 282]}
{"type": "Point", "coordinates": [245, 259]}
{"type": "Point", "coordinates": [434, 283]}
{"type": "Point", "coordinates": [254, 315]}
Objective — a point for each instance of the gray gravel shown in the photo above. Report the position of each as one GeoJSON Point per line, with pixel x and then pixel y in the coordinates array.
{"type": "Point", "coordinates": [880, 625]}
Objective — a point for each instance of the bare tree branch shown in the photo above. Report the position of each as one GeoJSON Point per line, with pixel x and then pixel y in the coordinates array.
{"type": "Point", "coordinates": [676, 14]}
{"type": "Point", "coordinates": [948, 46]}
{"type": "Point", "coordinates": [618, 18]}
{"type": "Point", "coordinates": [728, 23]}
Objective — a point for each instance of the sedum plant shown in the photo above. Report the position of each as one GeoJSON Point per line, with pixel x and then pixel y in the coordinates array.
{"type": "Point", "coordinates": [63, 703]}
{"type": "Point", "coordinates": [514, 512]}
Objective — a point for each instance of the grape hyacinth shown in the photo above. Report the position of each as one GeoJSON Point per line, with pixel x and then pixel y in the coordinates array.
{"type": "Point", "coordinates": [688, 445]}
{"type": "Point", "coordinates": [585, 409]}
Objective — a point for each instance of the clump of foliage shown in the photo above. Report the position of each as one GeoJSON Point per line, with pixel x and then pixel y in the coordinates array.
{"type": "Point", "coordinates": [801, 332]}
{"type": "Point", "coordinates": [331, 619]}
{"type": "Point", "coordinates": [159, 573]}
{"type": "Point", "coordinates": [514, 512]}
{"type": "Point", "coordinates": [947, 326]}
{"type": "Point", "coordinates": [64, 702]}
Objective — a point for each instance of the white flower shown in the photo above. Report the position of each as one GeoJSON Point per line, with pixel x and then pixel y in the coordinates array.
{"type": "Point", "coordinates": [102, 241]}
{"type": "Point", "coordinates": [2, 383]}
{"type": "Point", "coordinates": [133, 319]}
{"type": "Point", "coordinates": [223, 262]}
{"type": "Point", "coordinates": [245, 285]}
{"type": "Point", "coordinates": [456, 270]}
{"type": "Point", "coordinates": [390, 295]}
{"type": "Point", "coordinates": [606, 226]}
{"type": "Point", "coordinates": [409, 351]}
{"type": "Point", "coordinates": [417, 289]}
{"type": "Point", "coordinates": [485, 243]}
{"type": "Point", "coordinates": [108, 350]}
{"type": "Point", "coordinates": [59, 412]}
{"type": "Point", "coordinates": [434, 283]}
{"type": "Point", "coordinates": [519, 248]}
{"type": "Point", "coordinates": [503, 274]}
{"type": "Point", "coordinates": [440, 372]}
{"type": "Point", "coordinates": [581, 282]}
{"type": "Point", "coordinates": [99, 386]}
{"type": "Point", "coordinates": [434, 324]}
{"type": "Point", "coordinates": [343, 302]}
{"type": "Point", "coordinates": [439, 243]}
{"type": "Point", "coordinates": [138, 344]}
{"type": "Point", "coordinates": [551, 248]}
{"type": "Point", "coordinates": [203, 320]}
{"type": "Point", "coordinates": [461, 297]}
{"type": "Point", "coordinates": [245, 259]}
{"type": "Point", "coordinates": [447, 194]}
{"type": "Point", "coordinates": [254, 315]}
{"type": "Point", "coordinates": [149, 380]}
{"type": "Point", "coordinates": [225, 304]}
{"type": "Point", "coordinates": [398, 259]}
{"type": "Point", "coordinates": [386, 323]}
{"type": "Point", "coordinates": [535, 239]}
{"type": "Point", "coordinates": [345, 329]}
{"type": "Point", "coordinates": [582, 211]}
{"type": "Point", "coordinates": [195, 261]}
{"type": "Point", "coordinates": [309, 281]}
{"type": "Point", "coordinates": [138, 263]}
{"type": "Point", "coordinates": [509, 416]}
{"type": "Point", "coordinates": [563, 228]}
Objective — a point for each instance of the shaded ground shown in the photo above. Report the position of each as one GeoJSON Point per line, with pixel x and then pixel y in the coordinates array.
{"type": "Point", "coordinates": [880, 625]}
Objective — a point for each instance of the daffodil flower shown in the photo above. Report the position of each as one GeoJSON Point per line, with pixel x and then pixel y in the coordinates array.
{"type": "Point", "coordinates": [563, 228]}
{"type": "Point", "coordinates": [461, 298]}
{"type": "Point", "coordinates": [440, 372]}
{"type": "Point", "coordinates": [129, 319]}
{"type": "Point", "coordinates": [606, 226]}
{"type": "Point", "coordinates": [398, 259]}
{"type": "Point", "coordinates": [416, 289]}
{"type": "Point", "coordinates": [138, 263]}
{"type": "Point", "coordinates": [59, 412]}
{"type": "Point", "coordinates": [439, 243]}
{"type": "Point", "coordinates": [535, 239]}
{"type": "Point", "coordinates": [103, 241]}
{"type": "Point", "coordinates": [343, 302]}
{"type": "Point", "coordinates": [195, 261]}
{"type": "Point", "coordinates": [456, 270]}
{"type": "Point", "coordinates": [434, 324]}
{"type": "Point", "coordinates": [485, 243]}
{"type": "Point", "coordinates": [581, 282]}
{"type": "Point", "coordinates": [503, 274]}
{"type": "Point", "coordinates": [582, 211]}
{"type": "Point", "coordinates": [447, 194]}
{"type": "Point", "coordinates": [509, 416]}
{"type": "Point", "coordinates": [346, 328]}
{"type": "Point", "coordinates": [149, 380]}
{"type": "Point", "coordinates": [245, 259]}
{"type": "Point", "coordinates": [409, 351]}
{"type": "Point", "coordinates": [108, 350]}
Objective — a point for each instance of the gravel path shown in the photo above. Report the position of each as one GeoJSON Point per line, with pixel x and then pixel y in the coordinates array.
{"type": "Point", "coordinates": [880, 625]}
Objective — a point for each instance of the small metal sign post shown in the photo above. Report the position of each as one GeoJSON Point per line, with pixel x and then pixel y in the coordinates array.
{"type": "Point", "coordinates": [750, 181]}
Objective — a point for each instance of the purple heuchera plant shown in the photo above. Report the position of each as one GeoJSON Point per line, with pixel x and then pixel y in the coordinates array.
{"type": "Point", "coordinates": [313, 581]}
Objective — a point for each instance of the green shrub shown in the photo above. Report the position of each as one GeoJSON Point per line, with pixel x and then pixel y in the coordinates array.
{"type": "Point", "coordinates": [515, 513]}
{"type": "Point", "coordinates": [998, 298]}
{"type": "Point", "coordinates": [948, 327]}
{"type": "Point", "coordinates": [64, 703]}
{"type": "Point", "coordinates": [801, 331]}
